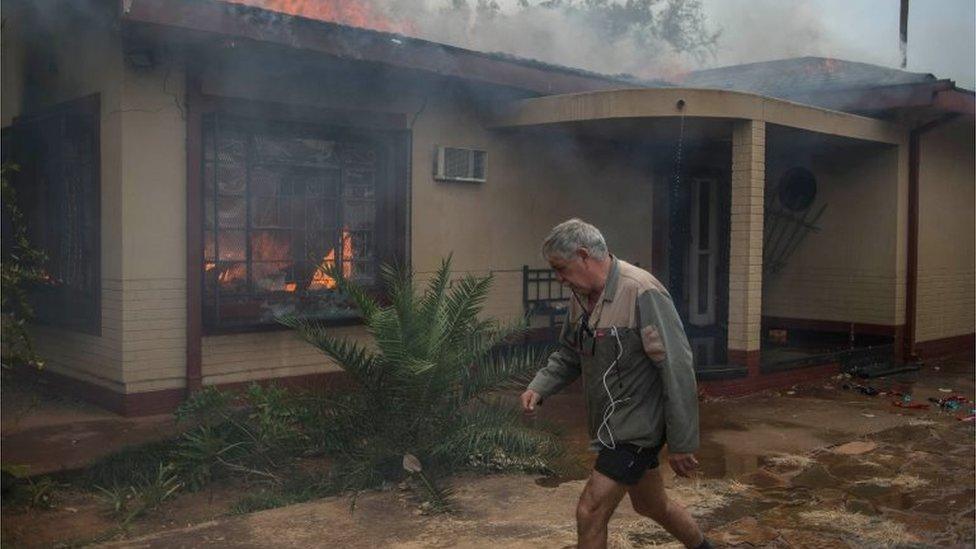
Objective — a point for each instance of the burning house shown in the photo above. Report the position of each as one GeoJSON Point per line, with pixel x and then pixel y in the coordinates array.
{"type": "Point", "coordinates": [190, 166]}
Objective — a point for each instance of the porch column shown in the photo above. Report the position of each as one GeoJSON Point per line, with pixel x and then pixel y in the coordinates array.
{"type": "Point", "coordinates": [745, 254]}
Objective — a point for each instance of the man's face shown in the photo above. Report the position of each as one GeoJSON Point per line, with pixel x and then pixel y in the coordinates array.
{"type": "Point", "coordinates": [573, 272]}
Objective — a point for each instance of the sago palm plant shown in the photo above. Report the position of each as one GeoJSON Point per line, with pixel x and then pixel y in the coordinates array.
{"type": "Point", "coordinates": [425, 400]}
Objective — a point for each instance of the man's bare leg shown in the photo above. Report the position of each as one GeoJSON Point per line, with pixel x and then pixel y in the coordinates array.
{"type": "Point", "coordinates": [596, 505]}
{"type": "Point", "coordinates": [650, 500]}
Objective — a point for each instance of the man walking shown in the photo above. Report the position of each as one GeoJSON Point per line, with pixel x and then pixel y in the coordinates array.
{"type": "Point", "coordinates": [623, 335]}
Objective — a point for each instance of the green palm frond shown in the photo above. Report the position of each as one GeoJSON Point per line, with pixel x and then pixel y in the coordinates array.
{"type": "Point", "coordinates": [465, 301]}
{"type": "Point", "coordinates": [366, 303]}
{"type": "Point", "coordinates": [505, 368]}
{"type": "Point", "coordinates": [433, 300]}
{"type": "Point", "coordinates": [351, 356]}
{"type": "Point", "coordinates": [486, 428]}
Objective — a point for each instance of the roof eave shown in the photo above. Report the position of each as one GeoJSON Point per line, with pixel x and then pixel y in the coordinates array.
{"type": "Point", "coordinates": [229, 20]}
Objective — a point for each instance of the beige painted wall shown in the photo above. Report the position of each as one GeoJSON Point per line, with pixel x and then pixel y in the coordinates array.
{"type": "Point", "coordinates": [154, 220]}
{"type": "Point", "coordinates": [848, 272]}
{"type": "Point", "coordinates": [70, 55]}
{"type": "Point", "coordinates": [947, 233]}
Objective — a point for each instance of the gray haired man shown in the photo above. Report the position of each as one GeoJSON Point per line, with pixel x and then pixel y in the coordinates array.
{"type": "Point", "coordinates": [623, 335]}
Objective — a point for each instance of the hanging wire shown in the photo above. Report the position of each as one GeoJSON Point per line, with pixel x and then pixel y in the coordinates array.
{"type": "Point", "coordinates": [678, 228]}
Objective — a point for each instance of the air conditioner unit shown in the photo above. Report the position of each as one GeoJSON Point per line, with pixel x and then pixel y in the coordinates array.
{"type": "Point", "coordinates": [456, 164]}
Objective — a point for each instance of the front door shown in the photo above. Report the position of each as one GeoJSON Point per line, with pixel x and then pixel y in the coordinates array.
{"type": "Point", "coordinates": [703, 251]}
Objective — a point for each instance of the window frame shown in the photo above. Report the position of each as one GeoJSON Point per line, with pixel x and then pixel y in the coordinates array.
{"type": "Point", "coordinates": [19, 141]}
{"type": "Point", "coordinates": [391, 196]}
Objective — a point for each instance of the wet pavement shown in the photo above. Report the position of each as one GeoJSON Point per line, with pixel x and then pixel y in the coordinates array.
{"type": "Point", "coordinates": [812, 466]}
{"type": "Point", "coordinates": [49, 432]}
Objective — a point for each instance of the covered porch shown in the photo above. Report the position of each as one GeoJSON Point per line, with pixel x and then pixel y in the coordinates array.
{"type": "Point", "coordinates": [779, 228]}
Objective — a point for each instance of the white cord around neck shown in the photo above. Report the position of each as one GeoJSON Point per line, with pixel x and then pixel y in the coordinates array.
{"type": "Point", "coordinates": [612, 405]}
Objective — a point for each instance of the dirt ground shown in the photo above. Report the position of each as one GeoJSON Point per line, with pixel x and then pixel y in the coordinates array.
{"type": "Point", "coordinates": [814, 466]}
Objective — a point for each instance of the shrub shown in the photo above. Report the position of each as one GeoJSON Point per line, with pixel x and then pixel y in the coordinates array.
{"type": "Point", "coordinates": [426, 389]}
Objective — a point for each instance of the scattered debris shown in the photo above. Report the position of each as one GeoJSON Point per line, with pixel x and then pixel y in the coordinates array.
{"type": "Point", "coordinates": [876, 530]}
{"type": "Point", "coordinates": [863, 389]}
{"type": "Point", "coordinates": [910, 405]}
{"type": "Point", "coordinates": [855, 447]}
{"type": "Point", "coordinates": [944, 390]}
{"type": "Point", "coordinates": [907, 482]}
{"type": "Point", "coordinates": [951, 404]}
{"type": "Point", "coordinates": [746, 530]}
{"type": "Point", "coordinates": [789, 460]}
{"type": "Point", "coordinates": [868, 415]}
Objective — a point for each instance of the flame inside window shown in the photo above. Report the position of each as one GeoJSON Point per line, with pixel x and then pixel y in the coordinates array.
{"type": "Point", "coordinates": [321, 280]}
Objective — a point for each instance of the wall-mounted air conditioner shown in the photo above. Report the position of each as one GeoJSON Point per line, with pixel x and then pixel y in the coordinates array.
{"type": "Point", "coordinates": [456, 164]}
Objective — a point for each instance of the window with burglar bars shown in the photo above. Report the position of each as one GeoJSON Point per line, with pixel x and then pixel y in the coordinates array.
{"type": "Point", "coordinates": [57, 187]}
{"type": "Point", "coordinates": [285, 205]}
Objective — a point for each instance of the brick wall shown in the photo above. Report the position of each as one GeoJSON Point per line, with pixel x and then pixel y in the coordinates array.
{"type": "Point", "coordinates": [95, 359]}
{"type": "Point", "coordinates": [946, 299]}
{"type": "Point", "coordinates": [745, 256]}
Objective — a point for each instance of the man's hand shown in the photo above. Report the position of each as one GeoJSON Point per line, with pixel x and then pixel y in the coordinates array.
{"type": "Point", "coordinates": [530, 399]}
{"type": "Point", "coordinates": [683, 464]}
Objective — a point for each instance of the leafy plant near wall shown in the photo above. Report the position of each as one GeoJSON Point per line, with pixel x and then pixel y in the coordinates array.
{"type": "Point", "coordinates": [20, 267]}
{"type": "Point", "coordinates": [425, 404]}
{"type": "Point", "coordinates": [422, 406]}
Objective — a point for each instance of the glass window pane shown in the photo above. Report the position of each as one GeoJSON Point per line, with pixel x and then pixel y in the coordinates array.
{"type": "Point", "coordinates": [231, 212]}
{"type": "Point", "coordinates": [322, 215]}
{"type": "Point", "coordinates": [231, 178]}
{"type": "Point", "coordinates": [231, 246]}
{"type": "Point", "coordinates": [274, 277]}
{"type": "Point", "coordinates": [231, 278]}
{"type": "Point", "coordinates": [271, 245]}
{"type": "Point", "coordinates": [703, 215]}
{"type": "Point", "coordinates": [703, 274]}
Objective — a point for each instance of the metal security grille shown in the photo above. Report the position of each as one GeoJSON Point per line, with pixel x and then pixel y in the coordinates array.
{"type": "Point", "coordinates": [283, 204]}
{"type": "Point", "coordinates": [58, 188]}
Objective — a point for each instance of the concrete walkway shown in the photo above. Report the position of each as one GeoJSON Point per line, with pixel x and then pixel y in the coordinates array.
{"type": "Point", "coordinates": [50, 432]}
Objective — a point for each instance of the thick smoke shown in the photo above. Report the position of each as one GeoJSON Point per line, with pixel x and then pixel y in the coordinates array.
{"type": "Point", "coordinates": [667, 38]}
{"type": "Point", "coordinates": [646, 39]}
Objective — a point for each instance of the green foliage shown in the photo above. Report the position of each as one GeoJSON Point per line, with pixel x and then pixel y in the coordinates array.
{"type": "Point", "coordinates": [127, 503]}
{"type": "Point", "coordinates": [204, 453]}
{"type": "Point", "coordinates": [42, 492]}
{"type": "Point", "coordinates": [252, 435]}
{"type": "Point", "coordinates": [427, 387]}
{"type": "Point", "coordinates": [21, 266]}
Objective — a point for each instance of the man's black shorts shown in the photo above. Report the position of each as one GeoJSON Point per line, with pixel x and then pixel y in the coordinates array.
{"type": "Point", "coordinates": [627, 462]}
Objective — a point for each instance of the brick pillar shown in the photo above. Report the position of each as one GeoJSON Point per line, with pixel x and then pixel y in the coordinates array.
{"type": "Point", "coordinates": [745, 254]}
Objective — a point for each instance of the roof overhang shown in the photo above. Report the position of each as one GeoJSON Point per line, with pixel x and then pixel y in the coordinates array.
{"type": "Point", "coordinates": [698, 103]}
{"type": "Point", "coordinates": [227, 20]}
{"type": "Point", "coordinates": [939, 96]}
